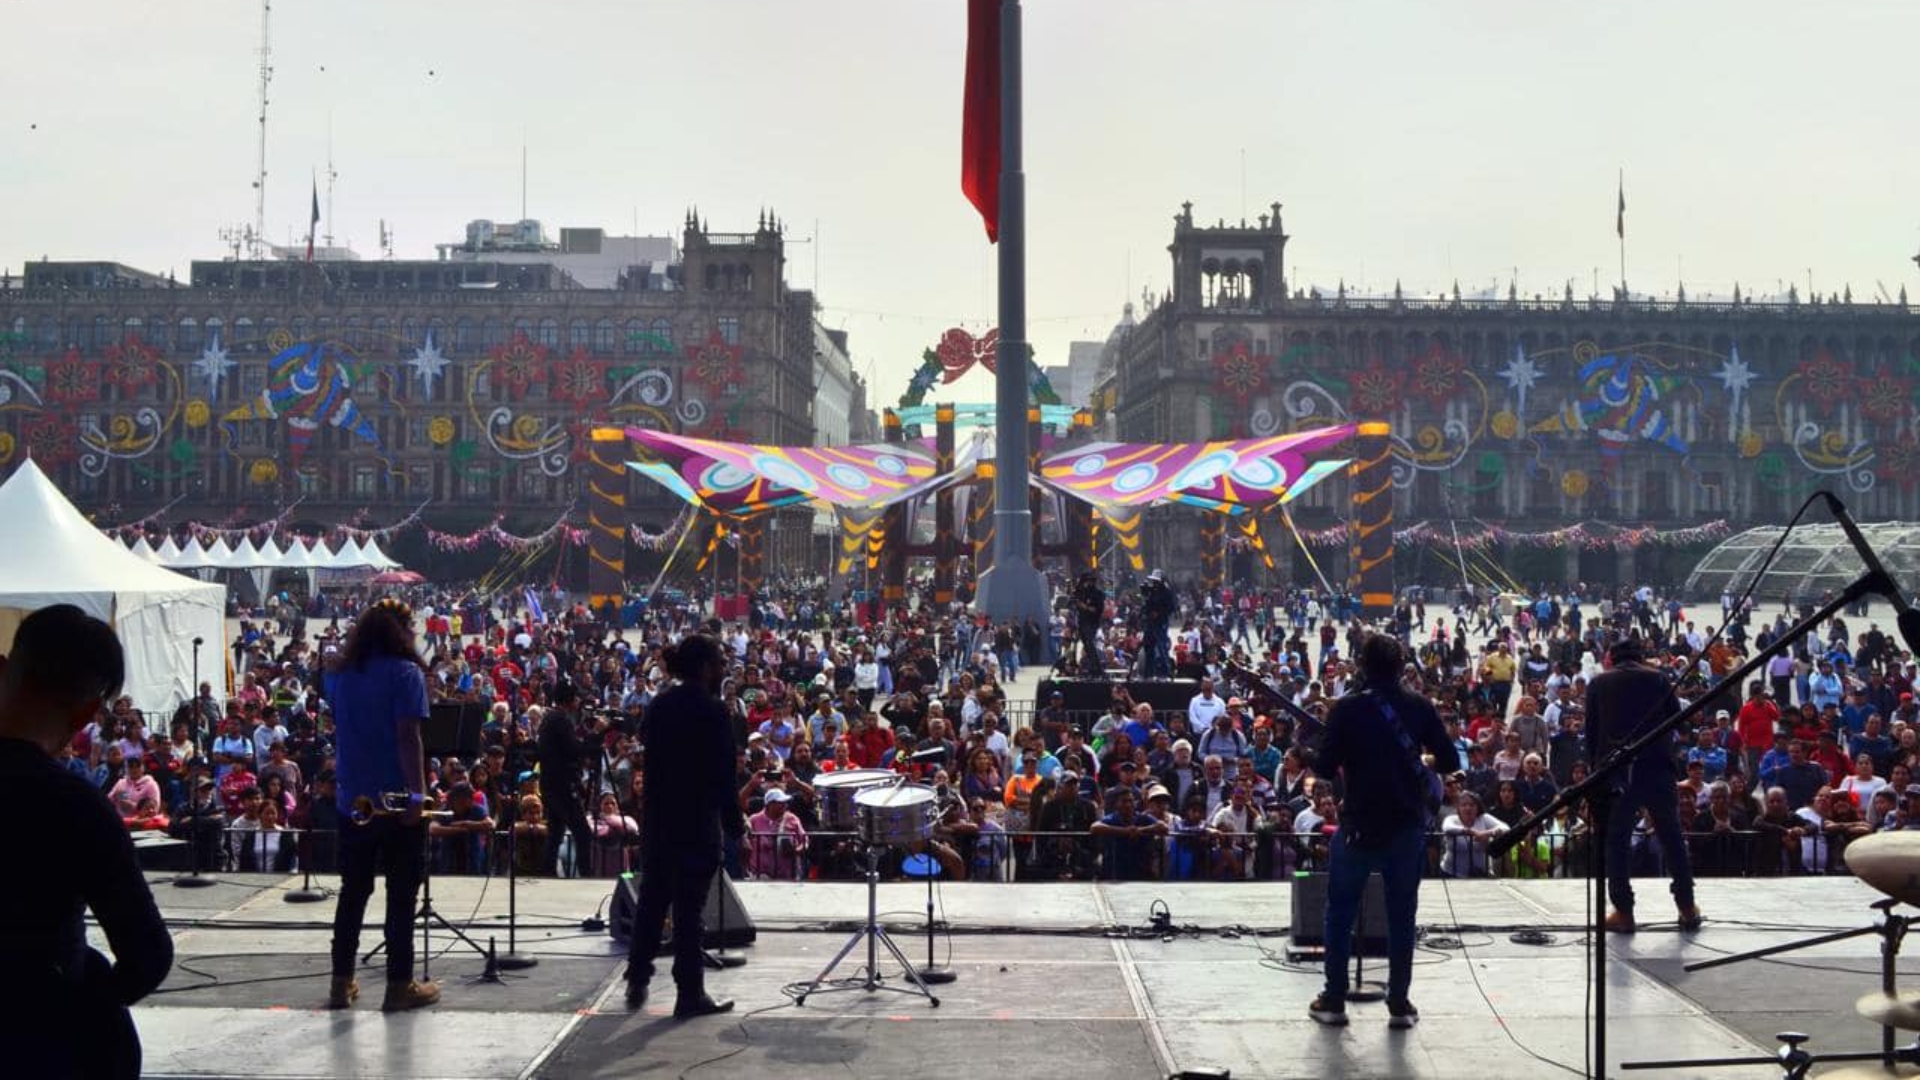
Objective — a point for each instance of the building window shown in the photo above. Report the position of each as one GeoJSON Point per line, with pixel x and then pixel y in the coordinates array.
{"type": "Point", "coordinates": [730, 329]}
{"type": "Point", "coordinates": [308, 480]}
{"type": "Point", "coordinates": [1653, 494]}
{"type": "Point", "coordinates": [662, 335]}
{"type": "Point", "coordinates": [476, 484]}
{"type": "Point", "coordinates": [189, 335]}
{"type": "Point", "coordinates": [493, 333]}
{"type": "Point", "coordinates": [217, 331]}
{"type": "Point", "coordinates": [580, 334]}
{"type": "Point", "coordinates": [160, 333]}
{"type": "Point", "coordinates": [253, 379]}
{"type": "Point", "coordinates": [603, 337]}
{"type": "Point", "coordinates": [49, 334]}
{"type": "Point", "coordinates": [533, 483]}
{"type": "Point", "coordinates": [636, 337]}
{"type": "Point", "coordinates": [549, 333]}
{"type": "Point", "coordinates": [465, 335]}
{"type": "Point", "coordinates": [103, 333]}
{"type": "Point", "coordinates": [419, 479]}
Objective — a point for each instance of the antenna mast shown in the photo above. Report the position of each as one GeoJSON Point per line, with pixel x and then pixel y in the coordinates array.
{"type": "Point", "coordinates": [331, 177]}
{"type": "Point", "coordinates": [259, 239]}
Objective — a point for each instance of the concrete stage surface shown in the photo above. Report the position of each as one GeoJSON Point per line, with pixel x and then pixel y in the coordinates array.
{"type": "Point", "coordinates": [1065, 997]}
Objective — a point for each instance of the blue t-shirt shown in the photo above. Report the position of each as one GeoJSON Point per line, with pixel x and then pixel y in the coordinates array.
{"type": "Point", "coordinates": [369, 705]}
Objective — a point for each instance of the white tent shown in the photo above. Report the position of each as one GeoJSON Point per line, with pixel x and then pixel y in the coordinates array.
{"type": "Point", "coordinates": [193, 555]}
{"type": "Point", "coordinates": [58, 557]}
{"type": "Point", "coordinates": [167, 553]}
{"type": "Point", "coordinates": [144, 550]}
{"type": "Point", "coordinates": [376, 558]}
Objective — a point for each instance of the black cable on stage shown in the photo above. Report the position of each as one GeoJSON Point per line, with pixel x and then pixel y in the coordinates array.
{"type": "Point", "coordinates": [1491, 1007]}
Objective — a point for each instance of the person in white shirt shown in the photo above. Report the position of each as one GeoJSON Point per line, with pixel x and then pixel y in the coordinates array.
{"type": "Point", "coordinates": [1204, 706]}
{"type": "Point", "coordinates": [1233, 823]}
{"type": "Point", "coordinates": [1463, 852]}
{"type": "Point", "coordinates": [270, 731]}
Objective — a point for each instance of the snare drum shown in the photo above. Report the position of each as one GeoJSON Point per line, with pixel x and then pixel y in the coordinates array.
{"type": "Point", "coordinates": [897, 815]}
{"type": "Point", "coordinates": [835, 793]}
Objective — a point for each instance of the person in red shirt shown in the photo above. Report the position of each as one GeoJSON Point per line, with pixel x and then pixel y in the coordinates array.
{"type": "Point", "coordinates": [1830, 757]}
{"type": "Point", "coordinates": [868, 742]}
{"type": "Point", "coordinates": [1756, 725]}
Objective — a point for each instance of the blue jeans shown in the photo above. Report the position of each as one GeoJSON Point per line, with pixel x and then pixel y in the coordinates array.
{"type": "Point", "coordinates": [1399, 862]}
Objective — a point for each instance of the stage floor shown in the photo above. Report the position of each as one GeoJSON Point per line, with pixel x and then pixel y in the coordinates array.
{"type": "Point", "coordinates": [1064, 996]}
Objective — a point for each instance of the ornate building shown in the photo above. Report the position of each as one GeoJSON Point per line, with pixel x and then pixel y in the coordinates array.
{"type": "Point", "coordinates": [1531, 415]}
{"type": "Point", "coordinates": [363, 390]}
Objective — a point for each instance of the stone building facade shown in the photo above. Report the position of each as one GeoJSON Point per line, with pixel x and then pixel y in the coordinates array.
{"type": "Point", "coordinates": [1530, 415]}
{"type": "Point", "coordinates": [364, 390]}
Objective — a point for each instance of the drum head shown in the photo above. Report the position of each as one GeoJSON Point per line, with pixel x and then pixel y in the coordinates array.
{"type": "Point", "coordinates": [858, 778]}
{"type": "Point", "coordinates": [902, 814]}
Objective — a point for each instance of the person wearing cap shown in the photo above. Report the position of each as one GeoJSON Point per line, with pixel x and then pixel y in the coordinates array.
{"type": "Point", "coordinates": [1708, 753]}
{"type": "Point", "coordinates": [198, 819]}
{"type": "Point", "coordinates": [1064, 849]}
{"type": "Point", "coordinates": [1128, 838]}
{"type": "Point", "coordinates": [776, 840]}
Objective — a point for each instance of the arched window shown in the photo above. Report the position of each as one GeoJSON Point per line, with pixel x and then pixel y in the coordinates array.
{"type": "Point", "coordinates": [635, 339]}
{"type": "Point", "coordinates": [465, 335]}
{"type": "Point", "coordinates": [580, 334]}
{"type": "Point", "coordinates": [663, 335]}
{"type": "Point", "coordinates": [549, 333]}
{"type": "Point", "coordinates": [216, 331]}
{"type": "Point", "coordinates": [244, 336]}
{"type": "Point", "coordinates": [189, 335]}
{"type": "Point", "coordinates": [160, 333]}
{"type": "Point", "coordinates": [48, 336]}
{"type": "Point", "coordinates": [603, 338]}
{"type": "Point", "coordinates": [380, 334]}
{"type": "Point", "coordinates": [522, 326]}
{"type": "Point", "coordinates": [409, 334]}
{"type": "Point", "coordinates": [103, 331]}
{"type": "Point", "coordinates": [493, 333]}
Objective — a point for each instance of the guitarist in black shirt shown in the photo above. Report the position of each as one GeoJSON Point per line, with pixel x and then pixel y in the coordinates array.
{"type": "Point", "coordinates": [65, 1010]}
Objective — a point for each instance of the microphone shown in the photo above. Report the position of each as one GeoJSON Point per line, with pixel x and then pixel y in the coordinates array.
{"type": "Point", "coordinates": [1906, 617]}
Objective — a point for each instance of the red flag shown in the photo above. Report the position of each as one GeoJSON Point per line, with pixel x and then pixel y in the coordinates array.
{"type": "Point", "coordinates": [980, 128]}
{"type": "Point", "coordinates": [313, 221]}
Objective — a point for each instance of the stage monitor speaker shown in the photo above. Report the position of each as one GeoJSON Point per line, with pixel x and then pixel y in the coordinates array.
{"type": "Point", "coordinates": [453, 727]}
{"type": "Point", "coordinates": [1309, 896]}
{"type": "Point", "coordinates": [739, 925]}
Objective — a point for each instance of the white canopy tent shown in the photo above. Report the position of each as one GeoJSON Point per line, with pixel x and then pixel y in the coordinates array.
{"type": "Point", "coordinates": [144, 550]}
{"type": "Point", "coordinates": [56, 556]}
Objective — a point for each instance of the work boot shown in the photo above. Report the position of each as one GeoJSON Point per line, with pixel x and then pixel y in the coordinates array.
{"type": "Point", "coordinates": [344, 991]}
{"type": "Point", "coordinates": [689, 1008]}
{"type": "Point", "coordinates": [402, 996]}
{"type": "Point", "coordinates": [636, 994]}
{"type": "Point", "coordinates": [1620, 922]}
{"type": "Point", "coordinates": [1690, 917]}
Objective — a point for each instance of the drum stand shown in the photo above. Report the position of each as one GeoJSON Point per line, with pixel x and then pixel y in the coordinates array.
{"type": "Point", "coordinates": [871, 934]}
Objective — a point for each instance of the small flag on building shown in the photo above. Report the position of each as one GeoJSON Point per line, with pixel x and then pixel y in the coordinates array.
{"type": "Point", "coordinates": [313, 222]}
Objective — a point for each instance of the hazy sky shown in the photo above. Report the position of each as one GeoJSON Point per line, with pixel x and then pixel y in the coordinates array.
{"type": "Point", "coordinates": [1420, 140]}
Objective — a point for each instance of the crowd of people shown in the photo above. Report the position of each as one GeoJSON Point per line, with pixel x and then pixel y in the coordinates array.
{"type": "Point", "coordinates": [1787, 769]}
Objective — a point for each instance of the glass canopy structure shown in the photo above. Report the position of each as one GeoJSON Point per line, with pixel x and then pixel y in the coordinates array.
{"type": "Point", "coordinates": [1815, 560]}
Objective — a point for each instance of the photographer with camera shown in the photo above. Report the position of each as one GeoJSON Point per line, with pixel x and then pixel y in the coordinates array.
{"type": "Point", "coordinates": [1157, 604]}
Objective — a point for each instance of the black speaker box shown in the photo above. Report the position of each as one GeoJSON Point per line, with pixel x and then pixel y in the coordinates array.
{"type": "Point", "coordinates": [453, 727]}
{"type": "Point", "coordinates": [1309, 896]}
{"type": "Point", "coordinates": [721, 897]}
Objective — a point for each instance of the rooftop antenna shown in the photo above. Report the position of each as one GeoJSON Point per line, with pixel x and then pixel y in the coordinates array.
{"type": "Point", "coordinates": [331, 177]}
{"type": "Point", "coordinates": [258, 242]}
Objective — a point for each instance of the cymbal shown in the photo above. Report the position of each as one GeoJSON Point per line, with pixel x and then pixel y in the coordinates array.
{"type": "Point", "coordinates": [1889, 862]}
{"type": "Point", "coordinates": [1891, 1010]}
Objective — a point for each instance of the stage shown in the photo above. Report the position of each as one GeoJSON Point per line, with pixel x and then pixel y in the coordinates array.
{"type": "Point", "coordinates": [1066, 995]}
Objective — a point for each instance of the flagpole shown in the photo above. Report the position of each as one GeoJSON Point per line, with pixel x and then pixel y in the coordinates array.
{"type": "Point", "coordinates": [1012, 588]}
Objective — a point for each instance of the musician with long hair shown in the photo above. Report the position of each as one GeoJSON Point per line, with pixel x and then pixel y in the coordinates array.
{"type": "Point", "coordinates": [690, 806]}
{"type": "Point", "coordinates": [377, 688]}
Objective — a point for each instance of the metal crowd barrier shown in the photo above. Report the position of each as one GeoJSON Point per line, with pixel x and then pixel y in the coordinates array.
{"type": "Point", "coordinates": [1021, 855]}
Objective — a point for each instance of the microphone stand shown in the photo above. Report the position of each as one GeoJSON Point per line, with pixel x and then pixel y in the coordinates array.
{"type": "Point", "coordinates": [1598, 789]}
{"type": "Point", "coordinates": [306, 893]}
{"type": "Point", "coordinates": [513, 959]}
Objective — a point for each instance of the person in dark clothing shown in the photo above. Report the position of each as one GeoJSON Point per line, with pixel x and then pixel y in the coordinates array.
{"type": "Point", "coordinates": [1373, 742]}
{"type": "Point", "coordinates": [1089, 609]}
{"type": "Point", "coordinates": [377, 689]}
{"type": "Point", "coordinates": [690, 809]}
{"type": "Point", "coordinates": [1622, 703]}
{"type": "Point", "coordinates": [65, 1011]}
{"type": "Point", "coordinates": [563, 757]}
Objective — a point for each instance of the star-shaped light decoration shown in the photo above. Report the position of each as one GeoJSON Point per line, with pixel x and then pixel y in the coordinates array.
{"type": "Point", "coordinates": [1521, 373]}
{"type": "Point", "coordinates": [428, 363]}
{"type": "Point", "coordinates": [1736, 377]}
{"type": "Point", "coordinates": [213, 365]}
